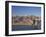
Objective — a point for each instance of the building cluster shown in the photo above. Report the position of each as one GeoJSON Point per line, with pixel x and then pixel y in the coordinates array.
{"type": "Point", "coordinates": [25, 20]}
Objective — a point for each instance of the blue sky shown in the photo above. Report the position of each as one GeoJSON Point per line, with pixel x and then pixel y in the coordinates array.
{"type": "Point", "coordinates": [25, 10]}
